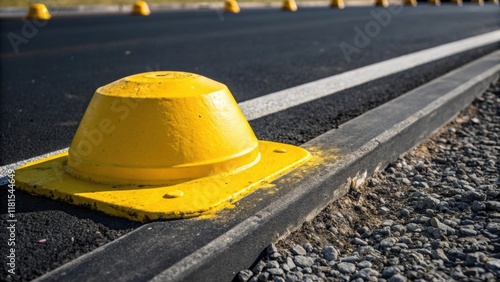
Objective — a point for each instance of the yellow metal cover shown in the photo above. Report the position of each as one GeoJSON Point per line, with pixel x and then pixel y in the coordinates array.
{"type": "Point", "coordinates": [160, 145]}
{"type": "Point", "coordinates": [338, 4]}
{"type": "Point", "coordinates": [38, 12]}
{"type": "Point", "coordinates": [141, 8]}
{"type": "Point", "coordinates": [289, 5]}
{"type": "Point", "coordinates": [413, 2]}
{"type": "Point", "coordinates": [231, 6]}
{"type": "Point", "coordinates": [383, 3]}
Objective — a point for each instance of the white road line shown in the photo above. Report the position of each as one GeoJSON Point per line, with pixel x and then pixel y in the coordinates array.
{"type": "Point", "coordinates": [291, 97]}
{"type": "Point", "coordinates": [4, 170]}
{"type": "Point", "coordinates": [284, 99]}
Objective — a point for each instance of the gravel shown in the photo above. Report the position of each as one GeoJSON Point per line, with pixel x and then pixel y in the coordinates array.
{"type": "Point", "coordinates": [432, 215]}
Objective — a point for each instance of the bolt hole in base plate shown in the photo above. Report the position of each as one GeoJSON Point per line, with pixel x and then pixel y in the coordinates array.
{"type": "Point", "coordinates": [192, 198]}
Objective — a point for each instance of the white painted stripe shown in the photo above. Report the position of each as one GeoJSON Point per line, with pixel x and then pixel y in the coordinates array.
{"type": "Point", "coordinates": [284, 99]}
{"type": "Point", "coordinates": [4, 170]}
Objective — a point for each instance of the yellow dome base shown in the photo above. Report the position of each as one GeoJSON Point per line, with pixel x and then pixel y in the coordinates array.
{"type": "Point", "coordinates": [141, 8]}
{"type": "Point", "coordinates": [382, 3]}
{"type": "Point", "coordinates": [38, 12]}
{"type": "Point", "coordinates": [198, 197]}
{"type": "Point", "coordinates": [412, 3]}
{"type": "Point", "coordinates": [231, 6]}
{"type": "Point", "coordinates": [289, 6]}
{"type": "Point", "coordinates": [337, 4]}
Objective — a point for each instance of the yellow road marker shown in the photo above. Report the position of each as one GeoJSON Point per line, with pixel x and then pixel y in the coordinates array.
{"type": "Point", "coordinates": [160, 145]}
{"type": "Point", "coordinates": [231, 6]}
{"type": "Point", "coordinates": [337, 4]}
{"type": "Point", "coordinates": [38, 12]}
{"type": "Point", "coordinates": [289, 5]}
{"type": "Point", "coordinates": [141, 8]}
{"type": "Point", "coordinates": [410, 3]}
{"type": "Point", "coordinates": [382, 3]}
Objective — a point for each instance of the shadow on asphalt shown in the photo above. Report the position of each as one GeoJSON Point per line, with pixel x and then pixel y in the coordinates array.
{"type": "Point", "coordinates": [26, 203]}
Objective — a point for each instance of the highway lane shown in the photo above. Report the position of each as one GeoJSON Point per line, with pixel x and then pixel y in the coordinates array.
{"type": "Point", "coordinates": [46, 86]}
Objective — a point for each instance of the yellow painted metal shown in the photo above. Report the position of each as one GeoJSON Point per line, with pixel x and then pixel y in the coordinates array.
{"type": "Point", "coordinates": [38, 12]}
{"type": "Point", "coordinates": [478, 2]}
{"type": "Point", "coordinates": [156, 127]}
{"type": "Point", "coordinates": [289, 5]}
{"type": "Point", "coordinates": [457, 2]}
{"type": "Point", "coordinates": [338, 4]}
{"type": "Point", "coordinates": [160, 145]}
{"type": "Point", "coordinates": [184, 199]}
{"type": "Point", "coordinates": [435, 2]}
{"type": "Point", "coordinates": [382, 3]}
{"type": "Point", "coordinates": [141, 8]}
{"type": "Point", "coordinates": [231, 6]}
{"type": "Point", "coordinates": [410, 3]}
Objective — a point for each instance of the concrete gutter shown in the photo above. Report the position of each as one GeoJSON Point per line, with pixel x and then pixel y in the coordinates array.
{"type": "Point", "coordinates": [214, 250]}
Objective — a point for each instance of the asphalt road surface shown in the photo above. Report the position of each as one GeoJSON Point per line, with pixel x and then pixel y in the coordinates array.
{"type": "Point", "coordinates": [48, 77]}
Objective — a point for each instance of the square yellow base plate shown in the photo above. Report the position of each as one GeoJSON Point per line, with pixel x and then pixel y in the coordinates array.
{"type": "Point", "coordinates": [191, 198]}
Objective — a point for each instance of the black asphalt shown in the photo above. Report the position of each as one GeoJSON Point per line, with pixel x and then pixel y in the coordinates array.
{"type": "Point", "coordinates": [46, 86]}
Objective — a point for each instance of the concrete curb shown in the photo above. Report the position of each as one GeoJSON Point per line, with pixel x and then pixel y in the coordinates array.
{"type": "Point", "coordinates": [214, 250]}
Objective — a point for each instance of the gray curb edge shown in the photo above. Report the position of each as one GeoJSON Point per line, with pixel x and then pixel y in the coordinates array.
{"type": "Point", "coordinates": [214, 250]}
